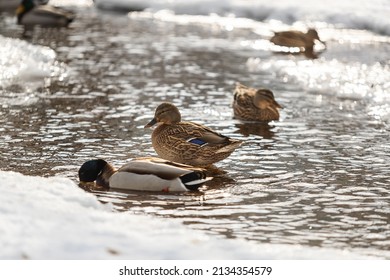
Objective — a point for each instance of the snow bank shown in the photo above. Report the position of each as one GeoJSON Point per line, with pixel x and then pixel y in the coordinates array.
{"type": "Point", "coordinates": [51, 218]}
{"type": "Point", "coordinates": [21, 62]}
{"type": "Point", "coordinates": [360, 14]}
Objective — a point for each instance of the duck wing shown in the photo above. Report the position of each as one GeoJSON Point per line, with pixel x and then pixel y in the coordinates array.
{"type": "Point", "coordinates": [51, 11]}
{"type": "Point", "coordinates": [290, 39]}
{"type": "Point", "coordinates": [164, 169]}
{"type": "Point", "coordinates": [202, 135]}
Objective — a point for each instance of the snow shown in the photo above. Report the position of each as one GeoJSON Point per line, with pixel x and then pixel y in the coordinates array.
{"type": "Point", "coordinates": [372, 15]}
{"type": "Point", "coordinates": [52, 218]}
{"type": "Point", "coordinates": [22, 62]}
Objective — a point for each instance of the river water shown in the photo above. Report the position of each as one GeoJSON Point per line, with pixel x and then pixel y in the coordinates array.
{"type": "Point", "coordinates": [317, 177]}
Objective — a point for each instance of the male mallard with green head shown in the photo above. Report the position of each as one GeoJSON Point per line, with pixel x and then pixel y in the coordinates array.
{"type": "Point", "coordinates": [187, 142]}
{"type": "Point", "coordinates": [144, 174]}
{"type": "Point", "coordinates": [255, 104]}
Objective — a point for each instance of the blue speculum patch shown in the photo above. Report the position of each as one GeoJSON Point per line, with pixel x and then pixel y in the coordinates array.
{"type": "Point", "coordinates": [197, 141]}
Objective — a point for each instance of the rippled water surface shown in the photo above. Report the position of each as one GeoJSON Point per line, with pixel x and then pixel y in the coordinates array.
{"type": "Point", "coordinates": [318, 177]}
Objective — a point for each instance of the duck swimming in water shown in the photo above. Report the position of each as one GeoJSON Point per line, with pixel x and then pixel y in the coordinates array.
{"type": "Point", "coordinates": [255, 104]}
{"type": "Point", "coordinates": [144, 174]}
{"type": "Point", "coordinates": [10, 6]}
{"type": "Point", "coordinates": [29, 14]}
{"type": "Point", "coordinates": [187, 142]}
{"type": "Point", "coordinates": [297, 39]}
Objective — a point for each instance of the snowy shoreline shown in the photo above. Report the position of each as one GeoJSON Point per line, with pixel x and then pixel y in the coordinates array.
{"type": "Point", "coordinates": [52, 218]}
{"type": "Point", "coordinates": [349, 14]}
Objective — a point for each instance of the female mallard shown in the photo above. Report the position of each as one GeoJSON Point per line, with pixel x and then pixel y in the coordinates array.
{"type": "Point", "coordinates": [187, 142]}
{"type": "Point", "coordinates": [255, 104]}
{"type": "Point", "coordinates": [296, 39]}
{"type": "Point", "coordinates": [29, 14]}
{"type": "Point", "coordinates": [144, 174]}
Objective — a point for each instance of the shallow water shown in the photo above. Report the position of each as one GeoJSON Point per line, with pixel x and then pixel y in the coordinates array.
{"type": "Point", "coordinates": [318, 177]}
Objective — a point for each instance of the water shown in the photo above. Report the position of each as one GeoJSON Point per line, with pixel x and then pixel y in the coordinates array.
{"type": "Point", "coordinates": [318, 177]}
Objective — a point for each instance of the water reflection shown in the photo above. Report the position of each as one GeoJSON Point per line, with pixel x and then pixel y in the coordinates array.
{"type": "Point", "coordinates": [262, 129]}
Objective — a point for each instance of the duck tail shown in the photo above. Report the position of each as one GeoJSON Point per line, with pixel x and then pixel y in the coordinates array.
{"type": "Point", "coordinates": [234, 144]}
{"type": "Point", "coordinates": [194, 180]}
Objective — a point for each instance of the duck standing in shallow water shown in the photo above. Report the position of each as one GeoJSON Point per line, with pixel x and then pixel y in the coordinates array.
{"type": "Point", "coordinates": [255, 104]}
{"type": "Point", "coordinates": [187, 142]}
{"type": "Point", "coordinates": [29, 14]}
{"type": "Point", "coordinates": [144, 174]}
{"type": "Point", "coordinates": [297, 39]}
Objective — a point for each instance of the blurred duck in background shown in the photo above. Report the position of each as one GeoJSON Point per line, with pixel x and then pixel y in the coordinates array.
{"type": "Point", "coordinates": [11, 5]}
{"type": "Point", "coordinates": [29, 14]}
{"type": "Point", "coordinates": [297, 39]}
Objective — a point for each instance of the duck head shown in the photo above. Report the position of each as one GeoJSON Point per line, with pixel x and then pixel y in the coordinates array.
{"type": "Point", "coordinates": [264, 98]}
{"type": "Point", "coordinates": [313, 35]}
{"type": "Point", "coordinates": [90, 170]}
{"type": "Point", "coordinates": [24, 7]}
{"type": "Point", "coordinates": [166, 113]}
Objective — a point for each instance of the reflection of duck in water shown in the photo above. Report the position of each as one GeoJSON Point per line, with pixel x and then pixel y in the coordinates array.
{"type": "Point", "coordinates": [262, 129]}
{"type": "Point", "coordinates": [255, 104]}
{"type": "Point", "coordinates": [144, 174]}
{"type": "Point", "coordinates": [297, 39]}
{"type": "Point", "coordinates": [188, 142]}
{"type": "Point", "coordinates": [29, 14]}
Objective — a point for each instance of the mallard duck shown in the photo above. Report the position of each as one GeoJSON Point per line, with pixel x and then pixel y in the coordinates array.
{"type": "Point", "coordinates": [12, 5]}
{"type": "Point", "coordinates": [29, 14]}
{"type": "Point", "coordinates": [255, 104]}
{"type": "Point", "coordinates": [187, 142]}
{"type": "Point", "coordinates": [144, 174]}
{"type": "Point", "coordinates": [298, 39]}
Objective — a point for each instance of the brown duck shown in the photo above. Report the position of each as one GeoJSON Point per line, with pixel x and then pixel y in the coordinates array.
{"type": "Point", "coordinates": [255, 104]}
{"type": "Point", "coordinates": [187, 142]}
{"type": "Point", "coordinates": [298, 39]}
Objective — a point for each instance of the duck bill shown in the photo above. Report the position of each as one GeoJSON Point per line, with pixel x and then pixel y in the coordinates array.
{"type": "Point", "coordinates": [151, 123]}
{"type": "Point", "coordinates": [20, 9]}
